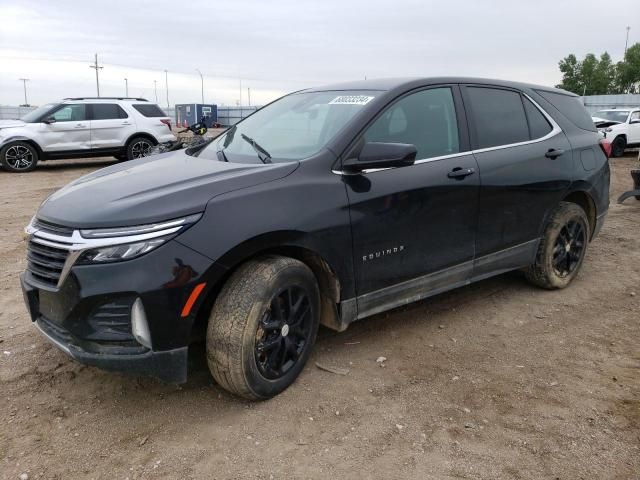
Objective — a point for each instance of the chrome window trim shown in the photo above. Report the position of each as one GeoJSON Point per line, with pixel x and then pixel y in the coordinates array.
{"type": "Point", "coordinates": [555, 130]}
{"type": "Point", "coordinates": [76, 245]}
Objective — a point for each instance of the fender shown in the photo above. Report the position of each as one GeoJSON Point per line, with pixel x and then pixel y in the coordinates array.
{"type": "Point", "coordinates": [141, 134]}
{"type": "Point", "coordinates": [22, 138]}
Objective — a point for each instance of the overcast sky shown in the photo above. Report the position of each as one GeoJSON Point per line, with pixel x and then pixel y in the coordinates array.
{"type": "Point", "coordinates": [278, 46]}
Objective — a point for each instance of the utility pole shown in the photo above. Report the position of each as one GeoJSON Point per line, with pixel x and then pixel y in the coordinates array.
{"type": "Point", "coordinates": [201, 84]}
{"type": "Point", "coordinates": [166, 82]}
{"type": "Point", "coordinates": [96, 67]}
{"type": "Point", "coordinates": [126, 87]}
{"type": "Point", "coordinates": [249, 95]}
{"type": "Point", "coordinates": [626, 43]}
{"type": "Point", "coordinates": [240, 93]}
{"type": "Point", "coordinates": [155, 89]}
{"type": "Point", "coordinates": [24, 84]}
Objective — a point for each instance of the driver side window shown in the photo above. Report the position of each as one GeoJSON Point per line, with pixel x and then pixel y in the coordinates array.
{"type": "Point", "coordinates": [426, 119]}
{"type": "Point", "coordinates": [70, 113]}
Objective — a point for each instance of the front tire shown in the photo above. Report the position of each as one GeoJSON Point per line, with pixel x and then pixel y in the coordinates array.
{"type": "Point", "coordinates": [618, 146]}
{"type": "Point", "coordinates": [19, 157]}
{"type": "Point", "coordinates": [139, 147]}
{"type": "Point", "coordinates": [262, 327]}
{"type": "Point", "coordinates": [562, 249]}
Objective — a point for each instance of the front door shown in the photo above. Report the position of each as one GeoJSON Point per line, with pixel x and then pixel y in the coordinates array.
{"type": "Point", "coordinates": [69, 132]}
{"type": "Point", "coordinates": [414, 227]}
{"type": "Point", "coordinates": [634, 127]}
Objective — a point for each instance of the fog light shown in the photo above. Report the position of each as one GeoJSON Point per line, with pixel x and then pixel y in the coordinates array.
{"type": "Point", "coordinates": [139, 325]}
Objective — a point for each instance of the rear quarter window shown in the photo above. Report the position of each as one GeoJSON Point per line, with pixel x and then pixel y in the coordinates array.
{"type": "Point", "coordinates": [149, 110]}
{"type": "Point", "coordinates": [571, 107]}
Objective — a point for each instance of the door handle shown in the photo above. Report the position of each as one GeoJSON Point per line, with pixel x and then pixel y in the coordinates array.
{"type": "Point", "coordinates": [459, 173]}
{"type": "Point", "coordinates": [554, 153]}
{"type": "Point", "coordinates": [126, 123]}
{"type": "Point", "coordinates": [80, 125]}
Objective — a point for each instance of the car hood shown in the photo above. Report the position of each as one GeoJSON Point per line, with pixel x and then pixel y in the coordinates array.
{"type": "Point", "coordinates": [11, 123]}
{"type": "Point", "coordinates": [152, 189]}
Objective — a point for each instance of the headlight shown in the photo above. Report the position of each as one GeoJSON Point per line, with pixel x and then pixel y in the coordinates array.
{"type": "Point", "coordinates": [125, 251]}
{"type": "Point", "coordinates": [124, 243]}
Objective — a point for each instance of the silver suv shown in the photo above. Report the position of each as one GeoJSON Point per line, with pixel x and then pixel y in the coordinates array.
{"type": "Point", "coordinates": [126, 128]}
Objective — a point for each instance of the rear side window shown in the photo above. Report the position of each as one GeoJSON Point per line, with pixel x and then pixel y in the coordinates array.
{"type": "Point", "coordinates": [149, 110]}
{"type": "Point", "coordinates": [539, 126]}
{"type": "Point", "coordinates": [426, 119]}
{"type": "Point", "coordinates": [498, 116]}
{"type": "Point", "coordinates": [570, 107]}
{"type": "Point", "coordinates": [107, 111]}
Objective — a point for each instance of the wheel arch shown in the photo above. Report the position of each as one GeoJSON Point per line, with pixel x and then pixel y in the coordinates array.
{"type": "Point", "coordinates": [280, 243]}
{"type": "Point", "coordinates": [30, 141]}
{"type": "Point", "coordinates": [585, 201]}
{"type": "Point", "coordinates": [141, 134]}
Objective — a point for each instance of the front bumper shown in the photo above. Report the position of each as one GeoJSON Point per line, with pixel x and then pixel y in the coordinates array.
{"type": "Point", "coordinates": [89, 315]}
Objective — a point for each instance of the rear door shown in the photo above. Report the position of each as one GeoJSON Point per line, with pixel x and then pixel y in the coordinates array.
{"type": "Point", "coordinates": [526, 167]}
{"type": "Point", "coordinates": [414, 227]}
{"type": "Point", "coordinates": [69, 132]}
{"type": "Point", "coordinates": [110, 125]}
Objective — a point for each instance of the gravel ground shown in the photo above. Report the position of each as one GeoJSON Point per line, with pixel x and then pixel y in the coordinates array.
{"type": "Point", "coordinates": [496, 380]}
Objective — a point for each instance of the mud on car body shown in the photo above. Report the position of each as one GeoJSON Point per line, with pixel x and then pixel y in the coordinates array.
{"type": "Point", "coordinates": [325, 207]}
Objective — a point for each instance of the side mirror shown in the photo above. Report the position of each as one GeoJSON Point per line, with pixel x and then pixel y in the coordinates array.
{"type": "Point", "coordinates": [49, 120]}
{"type": "Point", "coordinates": [382, 155]}
{"type": "Point", "coordinates": [635, 120]}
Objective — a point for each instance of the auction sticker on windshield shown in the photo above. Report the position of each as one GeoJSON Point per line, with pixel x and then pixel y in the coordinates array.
{"type": "Point", "coordinates": [351, 100]}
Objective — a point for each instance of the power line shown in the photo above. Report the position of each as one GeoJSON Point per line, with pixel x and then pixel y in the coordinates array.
{"type": "Point", "coordinates": [97, 67]}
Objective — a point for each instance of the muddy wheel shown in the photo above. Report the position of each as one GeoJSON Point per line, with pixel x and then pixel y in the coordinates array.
{"type": "Point", "coordinates": [262, 327]}
{"type": "Point", "coordinates": [562, 248]}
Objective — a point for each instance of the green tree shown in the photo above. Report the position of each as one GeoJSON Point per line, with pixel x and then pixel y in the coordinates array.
{"type": "Point", "coordinates": [570, 68]}
{"type": "Point", "coordinates": [628, 71]}
{"type": "Point", "coordinates": [590, 76]}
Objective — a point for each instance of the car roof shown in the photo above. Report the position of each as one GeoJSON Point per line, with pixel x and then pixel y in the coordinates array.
{"type": "Point", "coordinates": [385, 84]}
{"type": "Point", "coordinates": [104, 100]}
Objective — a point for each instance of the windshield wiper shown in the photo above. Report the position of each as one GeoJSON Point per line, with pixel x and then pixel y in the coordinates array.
{"type": "Point", "coordinates": [263, 155]}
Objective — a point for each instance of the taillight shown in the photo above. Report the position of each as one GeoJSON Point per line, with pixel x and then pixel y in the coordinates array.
{"type": "Point", "coordinates": [167, 122]}
{"type": "Point", "coordinates": [605, 145]}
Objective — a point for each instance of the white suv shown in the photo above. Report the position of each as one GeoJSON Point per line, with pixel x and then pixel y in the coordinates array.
{"type": "Point", "coordinates": [126, 128]}
{"type": "Point", "coordinates": [621, 126]}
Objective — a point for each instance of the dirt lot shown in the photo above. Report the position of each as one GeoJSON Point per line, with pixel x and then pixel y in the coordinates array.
{"type": "Point", "coordinates": [496, 380]}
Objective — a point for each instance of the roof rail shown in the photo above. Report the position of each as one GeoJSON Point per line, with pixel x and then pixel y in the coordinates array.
{"type": "Point", "coordinates": [107, 98]}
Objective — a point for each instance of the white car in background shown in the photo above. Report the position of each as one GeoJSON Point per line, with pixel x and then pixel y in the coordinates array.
{"type": "Point", "coordinates": [621, 126]}
{"type": "Point", "coordinates": [126, 128]}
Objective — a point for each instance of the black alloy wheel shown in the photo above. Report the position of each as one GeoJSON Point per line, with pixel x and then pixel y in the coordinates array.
{"type": "Point", "coordinates": [283, 332]}
{"type": "Point", "coordinates": [569, 248]}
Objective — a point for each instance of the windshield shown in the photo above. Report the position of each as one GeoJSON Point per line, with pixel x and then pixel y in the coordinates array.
{"type": "Point", "coordinates": [35, 115]}
{"type": "Point", "coordinates": [292, 128]}
{"type": "Point", "coordinates": [613, 115]}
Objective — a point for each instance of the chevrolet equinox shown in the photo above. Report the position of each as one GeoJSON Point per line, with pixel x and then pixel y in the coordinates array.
{"type": "Point", "coordinates": [326, 206]}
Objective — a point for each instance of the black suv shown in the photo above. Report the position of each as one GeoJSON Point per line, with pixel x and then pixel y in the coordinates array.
{"type": "Point", "coordinates": [324, 207]}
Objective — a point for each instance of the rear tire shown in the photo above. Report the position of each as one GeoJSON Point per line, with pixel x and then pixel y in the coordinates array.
{"type": "Point", "coordinates": [139, 147]}
{"type": "Point", "coordinates": [263, 326]}
{"type": "Point", "coordinates": [18, 157]}
{"type": "Point", "coordinates": [618, 146]}
{"type": "Point", "coordinates": [562, 248]}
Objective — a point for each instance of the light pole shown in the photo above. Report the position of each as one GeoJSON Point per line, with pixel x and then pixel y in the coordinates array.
{"type": "Point", "coordinates": [626, 42]}
{"type": "Point", "coordinates": [249, 96]}
{"type": "Point", "coordinates": [126, 87]}
{"type": "Point", "coordinates": [166, 82]}
{"type": "Point", "coordinates": [155, 89]}
{"type": "Point", "coordinates": [96, 67]}
{"type": "Point", "coordinates": [24, 84]}
{"type": "Point", "coordinates": [201, 84]}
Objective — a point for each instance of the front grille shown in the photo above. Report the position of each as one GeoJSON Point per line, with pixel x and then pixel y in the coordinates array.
{"type": "Point", "coordinates": [45, 263]}
{"type": "Point", "coordinates": [52, 228]}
